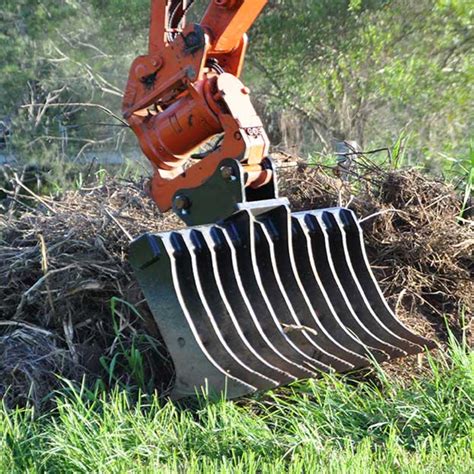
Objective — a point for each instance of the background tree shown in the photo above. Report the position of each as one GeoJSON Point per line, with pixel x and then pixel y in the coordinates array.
{"type": "Point", "coordinates": [321, 71]}
{"type": "Point", "coordinates": [366, 70]}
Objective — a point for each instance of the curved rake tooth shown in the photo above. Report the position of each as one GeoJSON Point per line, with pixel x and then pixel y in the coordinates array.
{"type": "Point", "coordinates": [232, 260]}
{"type": "Point", "coordinates": [277, 230]}
{"type": "Point", "coordinates": [392, 344]}
{"type": "Point", "coordinates": [239, 234]}
{"type": "Point", "coordinates": [281, 305]}
{"type": "Point", "coordinates": [228, 280]}
{"type": "Point", "coordinates": [360, 262]}
{"type": "Point", "coordinates": [154, 260]}
{"type": "Point", "coordinates": [327, 315]}
{"type": "Point", "coordinates": [341, 232]}
{"type": "Point", "coordinates": [278, 300]}
{"type": "Point", "coordinates": [334, 288]}
{"type": "Point", "coordinates": [216, 336]}
{"type": "Point", "coordinates": [217, 305]}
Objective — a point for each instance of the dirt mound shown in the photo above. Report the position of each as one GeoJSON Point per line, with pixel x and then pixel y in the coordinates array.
{"type": "Point", "coordinates": [69, 303]}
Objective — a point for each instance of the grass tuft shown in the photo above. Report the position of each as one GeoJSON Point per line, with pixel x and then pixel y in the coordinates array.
{"type": "Point", "coordinates": [331, 425]}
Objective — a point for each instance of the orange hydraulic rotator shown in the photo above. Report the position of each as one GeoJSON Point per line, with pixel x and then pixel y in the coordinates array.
{"type": "Point", "coordinates": [186, 91]}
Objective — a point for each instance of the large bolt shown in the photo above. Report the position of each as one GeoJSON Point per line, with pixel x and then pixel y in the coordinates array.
{"type": "Point", "coordinates": [192, 39]}
{"type": "Point", "coordinates": [181, 203]}
{"type": "Point", "coordinates": [227, 172]}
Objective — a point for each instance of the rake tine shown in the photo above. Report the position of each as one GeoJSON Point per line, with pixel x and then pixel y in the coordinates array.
{"type": "Point", "coordinates": [337, 295]}
{"type": "Point", "coordinates": [389, 342]}
{"type": "Point", "coordinates": [356, 249]}
{"type": "Point", "coordinates": [228, 333]}
{"type": "Point", "coordinates": [281, 305]}
{"type": "Point", "coordinates": [208, 330]}
{"type": "Point", "coordinates": [271, 340]}
{"type": "Point", "coordinates": [277, 230]}
{"type": "Point", "coordinates": [153, 257]}
{"type": "Point", "coordinates": [237, 332]}
{"type": "Point", "coordinates": [342, 233]}
{"type": "Point", "coordinates": [239, 233]}
{"type": "Point", "coordinates": [327, 313]}
{"type": "Point", "coordinates": [230, 286]}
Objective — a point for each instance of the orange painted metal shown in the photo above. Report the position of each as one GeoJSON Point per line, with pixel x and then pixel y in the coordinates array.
{"type": "Point", "coordinates": [161, 77]}
{"type": "Point", "coordinates": [227, 21]}
{"type": "Point", "coordinates": [186, 91]}
{"type": "Point", "coordinates": [158, 25]}
{"type": "Point", "coordinates": [244, 140]}
{"type": "Point", "coordinates": [167, 138]}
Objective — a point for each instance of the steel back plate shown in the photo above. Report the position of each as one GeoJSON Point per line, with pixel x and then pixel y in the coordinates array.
{"type": "Point", "coordinates": [263, 299]}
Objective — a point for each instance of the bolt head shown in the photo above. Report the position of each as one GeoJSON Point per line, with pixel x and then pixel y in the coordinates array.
{"type": "Point", "coordinates": [181, 203]}
{"type": "Point", "coordinates": [192, 39]}
{"type": "Point", "coordinates": [227, 173]}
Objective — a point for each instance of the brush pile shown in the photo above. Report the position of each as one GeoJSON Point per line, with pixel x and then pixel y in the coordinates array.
{"type": "Point", "coordinates": [70, 306]}
{"type": "Point", "coordinates": [419, 238]}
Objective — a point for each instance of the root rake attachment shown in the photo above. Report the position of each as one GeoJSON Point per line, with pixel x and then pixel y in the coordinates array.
{"type": "Point", "coordinates": [263, 299]}
{"type": "Point", "coordinates": [250, 296]}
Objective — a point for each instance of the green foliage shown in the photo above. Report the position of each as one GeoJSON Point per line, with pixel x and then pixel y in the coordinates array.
{"type": "Point", "coordinates": [126, 358]}
{"type": "Point", "coordinates": [316, 426]}
{"type": "Point", "coordinates": [123, 17]}
{"type": "Point", "coordinates": [364, 70]}
{"type": "Point", "coordinates": [25, 25]}
{"type": "Point", "coordinates": [61, 72]}
{"type": "Point", "coordinates": [320, 71]}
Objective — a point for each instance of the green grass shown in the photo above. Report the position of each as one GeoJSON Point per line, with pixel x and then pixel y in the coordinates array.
{"type": "Point", "coordinates": [332, 425]}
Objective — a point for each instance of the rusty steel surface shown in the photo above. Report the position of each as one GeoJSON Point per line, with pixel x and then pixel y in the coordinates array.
{"type": "Point", "coordinates": [265, 298]}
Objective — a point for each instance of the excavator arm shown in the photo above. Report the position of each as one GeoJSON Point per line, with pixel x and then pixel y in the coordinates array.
{"type": "Point", "coordinates": [185, 92]}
